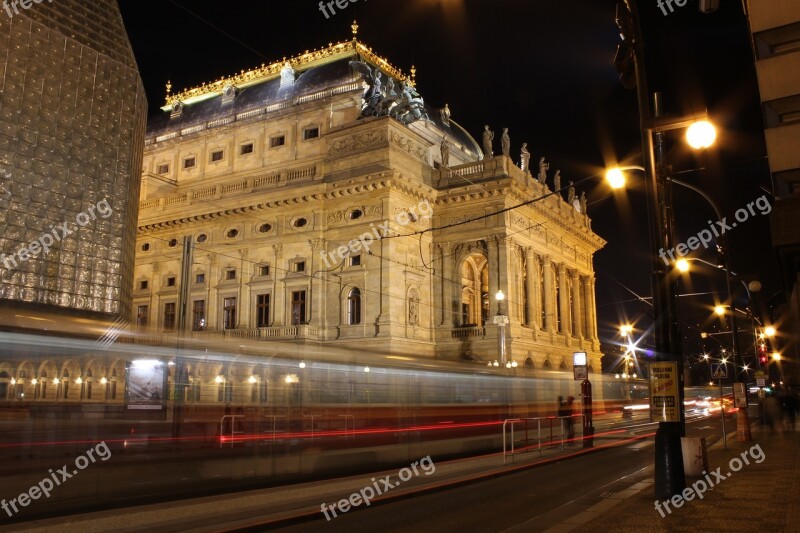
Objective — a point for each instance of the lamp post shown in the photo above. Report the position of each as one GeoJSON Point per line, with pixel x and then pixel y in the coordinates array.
{"type": "Point", "coordinates": [742, 417]}
{"type": "Point", "coordinates": [501, 321]}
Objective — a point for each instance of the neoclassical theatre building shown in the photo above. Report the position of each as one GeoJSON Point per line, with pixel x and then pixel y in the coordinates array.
{"type": "Point", "coordinates": [319, 199]}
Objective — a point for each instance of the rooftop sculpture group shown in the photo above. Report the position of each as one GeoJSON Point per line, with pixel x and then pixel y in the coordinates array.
{"type": "Point", "coordinates": [402, 103]}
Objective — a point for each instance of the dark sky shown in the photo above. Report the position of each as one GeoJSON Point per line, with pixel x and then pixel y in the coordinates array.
{"type": "Point", "coordinates": [542, 68]}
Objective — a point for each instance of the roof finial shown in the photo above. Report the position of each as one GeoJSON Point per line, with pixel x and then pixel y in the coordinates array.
{"type": "Point", "coordinates": [169, 87]}
{"type": "Point", "coordinates": [413, 75]}
{"type": "Point", "coordinates": [354, 26]}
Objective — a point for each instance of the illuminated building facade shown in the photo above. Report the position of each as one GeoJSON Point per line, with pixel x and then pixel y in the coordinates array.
{"type": "Point", "coordinates": [284, 177]}
{"type": "Point", "coordinates": [71, 137]}
{"type": "Point", "coordinates": [775, 28]}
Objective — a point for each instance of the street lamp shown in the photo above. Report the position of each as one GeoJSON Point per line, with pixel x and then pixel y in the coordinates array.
{"type": "Point", "coordinates": [769, 331]}
{"type": "Point", "coordinates": [701, 135]}
{"type": "Point", "coordinates": [501, 321]}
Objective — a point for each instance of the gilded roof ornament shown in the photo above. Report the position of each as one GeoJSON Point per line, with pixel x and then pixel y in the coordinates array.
{"type": "Point", "coordinates": [304, 61]}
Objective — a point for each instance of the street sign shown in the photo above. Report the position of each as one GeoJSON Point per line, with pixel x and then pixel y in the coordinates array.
{"type": "Point", "coordinates": [719, 371]}
{"type": "Point", "coordinates": [761, 382]}
{"type": "Point", "coordinates": [664, 397]}
{"type": "Point", "coordinates": [579, 366]}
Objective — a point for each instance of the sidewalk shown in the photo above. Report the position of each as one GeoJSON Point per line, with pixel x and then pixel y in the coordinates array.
{"type": "Point", "coordinates": [759, 497]}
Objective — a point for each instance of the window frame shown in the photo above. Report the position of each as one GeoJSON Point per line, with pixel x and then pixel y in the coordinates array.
{"type": "Point", "coordinates": [263, 309]}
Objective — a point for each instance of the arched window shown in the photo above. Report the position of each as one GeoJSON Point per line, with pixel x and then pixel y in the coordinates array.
{"type": "Point", "coordinates": [354, 307]}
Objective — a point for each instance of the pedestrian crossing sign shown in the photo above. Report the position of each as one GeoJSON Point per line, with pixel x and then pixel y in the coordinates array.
{"type": "Point", "coordinates": [719, 371]}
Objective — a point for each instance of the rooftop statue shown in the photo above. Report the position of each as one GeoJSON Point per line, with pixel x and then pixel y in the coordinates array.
{"type": "Point", "coordinates": [525, 158]}
{"type": "Point", "coordinates": [506, 143]}
{"type": "Point", "coordinates": [488, 139]}
{"type": "Point", "coordinates": [583, 202]}
{"type": "Point", "coordinates": [445, 152]}
{"type": "Point", "coordinates": [557, 181]}
{"type": "Point", "coordinates": [445, 114]}
{"type": "Point", "coordinates": [571, 193]}
{"type": "Point", "coordinates": [403, 104]}
{"type": "Point", "coordinates": [543, 168]}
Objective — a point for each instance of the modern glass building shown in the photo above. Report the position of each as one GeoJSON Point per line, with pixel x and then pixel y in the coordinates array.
{"type": "Point", "coordinates": [72, 123]}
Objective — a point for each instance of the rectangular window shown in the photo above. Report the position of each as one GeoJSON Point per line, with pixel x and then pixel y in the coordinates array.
{"type": "Point", "coordinates": [355, 260]}
{"type": "Point", "coordinates": [163, 169]}
{"type": "Point", "coordinates": [310, 133]}
{"type": "Point", "coordinates": [169, 316]}
{"type": "Point", "coordinates": [300, 266]}
{"type": "Point", "coordinates": [298, 308]}
{"type": "Point", "coordinates": [229, 313]}
{"type": "Point", "coordinates": [189, 162]}
{"type": "Point", "coordinates": [262, 310]}
{"type": "Point", "coordinates": [217, 156]}
{"type": "Point", "coordinates": [263, 270]}
{"type": "Point", "coordinates": [230, 274]}
{"type": "Point", "coordinates": [199, 315]}
{"type": "Point", "coordinates": [246, 149]}
{"type": "Point", "coordinates": [143, 285]}
{"type": "Point", "coordinates": [275, 142]}
{"type": "Point", "coordinates": [171, 281]}
{"type": "Point", "coordinates": [141, 317]}
{"type": "Point", "coordinates": [777, 41]}
{"type": "Point", "coordinates": [200, 278]}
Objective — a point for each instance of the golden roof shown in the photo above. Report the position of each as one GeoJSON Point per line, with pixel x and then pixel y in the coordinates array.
{"type": "Point", "coordinates": [301, 62]}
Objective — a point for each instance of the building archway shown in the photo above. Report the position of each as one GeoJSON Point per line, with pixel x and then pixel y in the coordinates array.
{"type": "Point", "coordinates": [474, 290]}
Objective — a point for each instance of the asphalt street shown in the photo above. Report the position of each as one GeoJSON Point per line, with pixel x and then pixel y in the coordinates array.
{"type": "Point", "coordinates": [531, 500]}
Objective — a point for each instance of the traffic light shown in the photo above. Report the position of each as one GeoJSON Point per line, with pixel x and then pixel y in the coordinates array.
{"type": "Point", "coordinates": [762, 353]}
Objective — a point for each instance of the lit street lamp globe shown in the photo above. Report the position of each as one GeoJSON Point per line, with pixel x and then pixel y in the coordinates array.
{"type": "Point", "coordinates": [682, 265]}
{"type": "Point", "coordinates": [701, 134]}
{"type": "Point", "coordinates": [615, 178]}
{"type": "Point", "coordinates": [769, 331]}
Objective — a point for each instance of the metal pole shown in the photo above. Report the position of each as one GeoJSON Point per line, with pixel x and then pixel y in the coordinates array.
{"type": "Point", "coordinates": [742, 417]}
{"type": "Point", "coordinates": [669, 474]}
{"type": "Point", "coordinates": [722, 409]}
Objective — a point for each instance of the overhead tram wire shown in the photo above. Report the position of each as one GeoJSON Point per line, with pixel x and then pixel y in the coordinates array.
{"type": "Point", "coordinates": [217, 28]}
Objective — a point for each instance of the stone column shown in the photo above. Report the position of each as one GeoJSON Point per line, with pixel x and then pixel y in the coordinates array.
{"type": "Point", "coordinates": [533, 287]}
{"type": "Point", "coordinates": [494, 270]}
{"type": "Point", "coordinates": [549, 292]}
{"type": "Point", "coordinates": [449, 280]}
{"type": "Point", "coordinates": [316, 307]}
{"type": "Point", "coordinates": [576, 305]}
{"type": "Point", "coordinates": [563, 298]}
{"type": "Point", "coordinates": [278, 288]}
{"type": "Point", "coordinates": [592, 311]}
{"type": "Point", "coordinates": [499, 277]}
{"type": "Point", "coordinates": [586, 316]}
{"type": "Point", "coordinates": [213, 304]}
{"type": "Point", "coordinates": [243, 301]}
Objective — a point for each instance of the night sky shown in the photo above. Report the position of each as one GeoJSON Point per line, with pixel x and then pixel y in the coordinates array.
{"type": "Point", "coordinates": [545, 70]}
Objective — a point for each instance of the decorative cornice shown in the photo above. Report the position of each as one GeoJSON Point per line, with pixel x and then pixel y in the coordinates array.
{"type": "Point", "coordinates": [265, 72]}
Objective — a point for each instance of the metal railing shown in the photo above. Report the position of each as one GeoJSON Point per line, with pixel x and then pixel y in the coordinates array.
{"type": "Point", "coordinates": [233, 431]}
{"type": "Point", "coordinates": [550, 422]}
